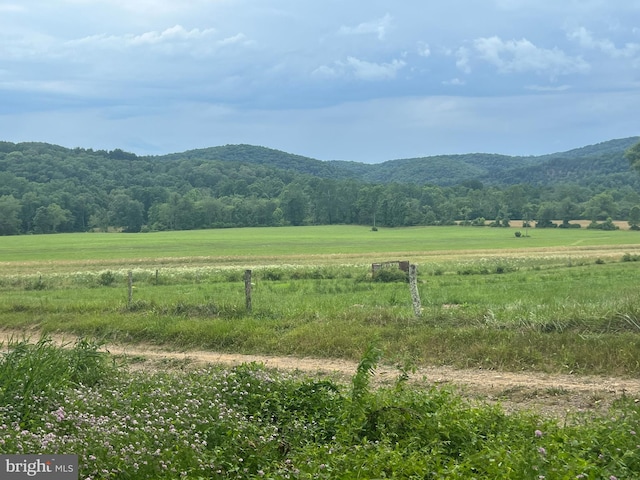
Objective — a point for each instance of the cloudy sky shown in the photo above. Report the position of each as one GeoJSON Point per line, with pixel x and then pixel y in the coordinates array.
{"type": "Point", "coordinates": [362, 80]}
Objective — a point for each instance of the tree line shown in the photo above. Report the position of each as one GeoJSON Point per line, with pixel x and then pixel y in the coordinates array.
{"type": "Point", "coordinates": [49, 189]}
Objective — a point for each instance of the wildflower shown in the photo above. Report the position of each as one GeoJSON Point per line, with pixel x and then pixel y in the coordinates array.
{"type": "Point", "coordinates": [538, 433]}
{"type": "Point", "coordinates": [542, 451]}
{"type": "Point", "coordinates": [613, 477]}
{"type": "Point", "coordinates": [59, 414]}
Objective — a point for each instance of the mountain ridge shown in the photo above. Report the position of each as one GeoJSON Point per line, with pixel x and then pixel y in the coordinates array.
{"type": "Point", "coordinates": [583, 165]}
{"type": "Point", "coordinates": [436, 169]}
{"type": "Point", "coordinates": [48, 188]}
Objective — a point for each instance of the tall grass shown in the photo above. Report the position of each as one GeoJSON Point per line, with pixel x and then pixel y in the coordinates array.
{"type": "Point", "coordinates": [496, 313]}
{"type": "Point", "coordinates": [33, 376]}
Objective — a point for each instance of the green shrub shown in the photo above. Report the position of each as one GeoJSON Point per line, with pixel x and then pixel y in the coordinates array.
{"type": "Point", "coordinates": [106, 278]}
{"type": "Point", "coordinates": [627, 257]}
{"type": "Point", "coordinates": [37, 284]}
{"type": "Point", "coordinates": [272, 274]}
{"type": "Point", "coordinates": [390, 274]}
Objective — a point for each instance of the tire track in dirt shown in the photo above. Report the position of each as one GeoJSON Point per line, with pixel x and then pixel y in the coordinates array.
{"type": "Point", "coordinates": [553, 394]}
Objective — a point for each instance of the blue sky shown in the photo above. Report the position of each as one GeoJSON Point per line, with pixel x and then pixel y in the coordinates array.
{"type": "Point", "coordinates": [357, 80]}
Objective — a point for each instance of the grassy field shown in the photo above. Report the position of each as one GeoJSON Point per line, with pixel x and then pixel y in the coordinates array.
{"type": "Point", "coordinates": [556, 301]}
{"type": "Point", "coordinates": [320, 245]}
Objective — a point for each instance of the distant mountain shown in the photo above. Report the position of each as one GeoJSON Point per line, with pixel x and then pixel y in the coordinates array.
{"type": "Point", "coordinates": [581, 165]}
{"type": "Point", "coordinates": [47, 188]}
{"type": "Point", "coordinates": [260, 156]}
{"type": "Point", "coordinates": [439, 170]}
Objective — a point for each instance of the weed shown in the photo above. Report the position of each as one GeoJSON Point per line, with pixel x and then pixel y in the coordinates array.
{"type": "Point", "coordinates": [251, 422]}
{"type": "Point", "coordinates": [628, 257]}
{"type": "Point", "coordinates": [34, 376]}
{"type": "Point", "coordinates": [106, 278]}
{"type": "Point", "coordinates": [556, 391]}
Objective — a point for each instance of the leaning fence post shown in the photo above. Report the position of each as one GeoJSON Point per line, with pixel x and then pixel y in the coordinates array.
{"type": "Point", "coordinates": [413, 285]}
{"type": "Point", "coordinates": [247, 289]}
{"type": "Point", "coordinates": [130, 282]}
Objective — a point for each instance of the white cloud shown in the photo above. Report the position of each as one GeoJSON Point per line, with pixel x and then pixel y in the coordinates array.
{"type": "Point", "coordinates": [378, 27]}
{"type": "Point", "coordinates": [456, 82]}
{"type": "Point", "coordinates": [586, 39]}
{"type": "Point", "coordinates": [325, 71]}
{"type": "Point", "coordinates": [423, 49]}
{"type": "Point", "coordinates": [463, 61]}
{"type": "Point", "coordinates": [374, 71]}
{"type": "Point", "coordinates": [171, 41]}
{"type": "Point", "coordinates": [174, 40]}
{"type": "Point", "coordinates": [173, 34]}
{"type": "Point", "coordinates": [361, 69]}
{"type": "Point", "coordinates": [520, 56]}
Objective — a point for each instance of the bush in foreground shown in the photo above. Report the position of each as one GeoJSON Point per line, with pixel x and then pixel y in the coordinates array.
{"type": "Point", "coordinates": [251, 422]}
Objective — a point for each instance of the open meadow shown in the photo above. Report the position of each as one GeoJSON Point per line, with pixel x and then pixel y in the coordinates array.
{"type": "Point", "coordinates": [558, 301]}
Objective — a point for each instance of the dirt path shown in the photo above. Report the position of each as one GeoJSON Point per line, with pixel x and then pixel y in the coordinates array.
{"type": "Point", "coordinates": [549, 394]}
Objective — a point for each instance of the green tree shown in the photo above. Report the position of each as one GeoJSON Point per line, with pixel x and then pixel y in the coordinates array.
{"type": "Point", "coordinates": [278, 217]}
{"type": "Point", "coordinates": [100, 220]}
{"type": "Point", "coordinates": [633, 156]}
{"type": "Point", "coordinates": [178, 213]}
{"type": "Point", "coordinates": [634, 217]}
{"type": "Point", "coordinates": [293, 203]}
{"type": "Point", "coordinates": [126, 213]}
{"type": "Point", "coordinates": [368, 204]}
{"type": "Point", "coordinates": [546, 214]}
{"type": "Point", "coordinates": [9, 215]}
{"type": "Point", "coordinates": [568, 210]}
{"type": "Point", "coordinates": [49, 219]}
{"type": "Point", "coordinates": [600, 207]}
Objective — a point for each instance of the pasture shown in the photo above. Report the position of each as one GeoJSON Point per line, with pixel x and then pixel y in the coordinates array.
{"type": "Point", "coordinates": [319, 245]}
{"type": "Point", "coordinates": [559, 301]}
{"type": "Point", "coordinates": [546, 302]}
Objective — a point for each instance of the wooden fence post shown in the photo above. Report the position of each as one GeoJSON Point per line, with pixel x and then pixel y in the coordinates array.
{"type": "Point", "coordinates": [130, 282]}
{"type": "Point", "coordinates": [413, 285]}
{"type": "Point", "coordinates": [247, 289]}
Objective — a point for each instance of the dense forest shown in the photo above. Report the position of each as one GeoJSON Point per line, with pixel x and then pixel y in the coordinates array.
{"type": "Point", "coordinates": [47, 188]}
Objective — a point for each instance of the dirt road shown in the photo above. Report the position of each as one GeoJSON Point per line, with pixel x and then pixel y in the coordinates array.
{"type": "Point", "coordinates": [548, 394]}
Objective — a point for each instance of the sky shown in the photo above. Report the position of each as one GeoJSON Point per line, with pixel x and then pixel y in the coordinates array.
{"type": "Point", "coordinates": [359, 80]}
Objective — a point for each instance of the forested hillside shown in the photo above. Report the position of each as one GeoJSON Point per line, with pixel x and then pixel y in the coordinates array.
{"type": "Point", "coordinates": [47, 188]}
